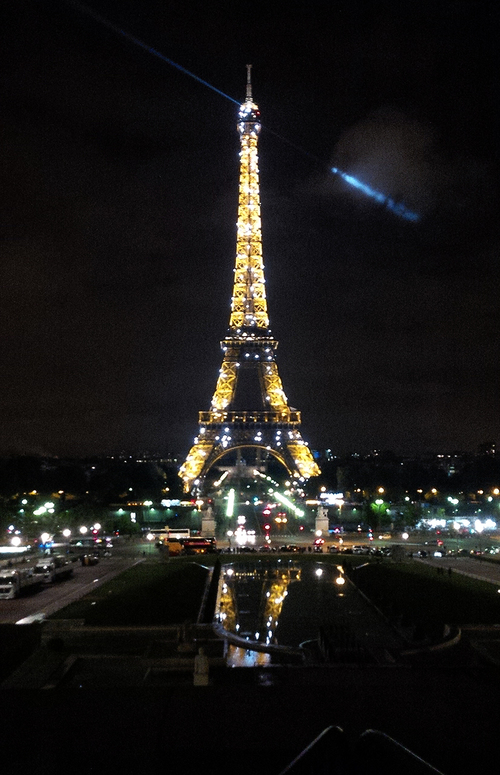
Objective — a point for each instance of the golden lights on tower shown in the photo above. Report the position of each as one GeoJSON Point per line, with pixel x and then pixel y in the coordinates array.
{"type": "Point", "coordinates": [249, 343]}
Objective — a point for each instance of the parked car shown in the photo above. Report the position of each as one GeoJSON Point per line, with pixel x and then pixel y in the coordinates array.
{"type": "Point", "coordinates": [89, 559]}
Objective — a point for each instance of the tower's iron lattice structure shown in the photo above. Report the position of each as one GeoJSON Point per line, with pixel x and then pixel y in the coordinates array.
{"type": "Point", "coordinates": [248, 345]}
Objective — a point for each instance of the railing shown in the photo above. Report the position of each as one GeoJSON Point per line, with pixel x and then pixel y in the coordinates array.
{"type": "Point", "coordinates": [289, 417]}
{"type": "Point", "coordinates": [328, 754]}
{"type": "Point", "coordinates": [373, 753]}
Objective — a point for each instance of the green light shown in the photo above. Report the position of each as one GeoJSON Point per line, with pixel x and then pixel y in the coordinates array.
{"type": "Point", "coordinates": [281, 498]}
{"type": "Point", "coordinates": [230, 503]}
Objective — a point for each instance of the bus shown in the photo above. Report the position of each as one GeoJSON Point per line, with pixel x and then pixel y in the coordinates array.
{"type": "Point", "coordinates": [182, 542]}
{"type": "Point", "coordinates": [198, 545]}
{"type": "Point", "coordinates": [162, 535]}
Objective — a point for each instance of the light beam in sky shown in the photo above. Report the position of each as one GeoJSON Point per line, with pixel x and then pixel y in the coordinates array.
{"type": "Point", "coordinates": [106, 23]}
{"type": "Point", "coordinates": [398, 208]}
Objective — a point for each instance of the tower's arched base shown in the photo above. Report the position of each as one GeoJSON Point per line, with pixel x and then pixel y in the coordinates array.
{"type": "Point", "coordinates": [266, 440]}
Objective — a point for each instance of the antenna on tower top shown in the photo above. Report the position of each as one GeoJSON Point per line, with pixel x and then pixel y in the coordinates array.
{"type": "Point", "coordinates": [249, 83]}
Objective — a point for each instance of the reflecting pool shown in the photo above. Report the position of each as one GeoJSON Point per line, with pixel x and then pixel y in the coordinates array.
{"type": "Point", "coordinates": [272, 609]}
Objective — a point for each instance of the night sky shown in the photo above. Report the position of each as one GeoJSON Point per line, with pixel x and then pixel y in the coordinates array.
{"type": "Point", "coordinates": [118, 215]}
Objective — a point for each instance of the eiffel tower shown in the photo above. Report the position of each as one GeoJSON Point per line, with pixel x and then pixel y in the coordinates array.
{"type": "Point", "coordinates": [249, 348]}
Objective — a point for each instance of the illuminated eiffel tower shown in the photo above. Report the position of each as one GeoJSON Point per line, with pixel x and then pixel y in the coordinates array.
{"type": "Point", "coordinates": [249, 348]}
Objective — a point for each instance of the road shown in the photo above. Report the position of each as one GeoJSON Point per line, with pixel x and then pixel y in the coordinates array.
{"type": "Point", "coordinates": [474, 567]}
{"type": "Point", "coordinates": [470, 566]}
{"type": "Point", "coordinates": [51, 597]}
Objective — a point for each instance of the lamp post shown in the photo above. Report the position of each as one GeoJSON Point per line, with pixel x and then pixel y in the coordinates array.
{"type": "Point", "coordinates": [67, 533]}
{"type": "Point", "coordinates": [379, 506]}
{"type": "Point", "coordinates": [479, 530]}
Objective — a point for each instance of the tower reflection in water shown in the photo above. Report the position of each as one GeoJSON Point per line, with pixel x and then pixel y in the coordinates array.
{"type": "Point", "coordinates": [251, 598]}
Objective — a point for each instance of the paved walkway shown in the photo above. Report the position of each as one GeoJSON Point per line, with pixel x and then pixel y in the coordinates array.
{"type": "Point", "coordinates": [476, 568]}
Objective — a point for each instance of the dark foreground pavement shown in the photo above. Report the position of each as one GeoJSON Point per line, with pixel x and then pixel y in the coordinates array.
{"type": "Point", "coordinates": [255, 720]}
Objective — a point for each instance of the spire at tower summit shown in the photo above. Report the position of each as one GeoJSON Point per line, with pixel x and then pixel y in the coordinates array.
{"type": "Point", "coordinates": [249, 83]}
{"type": "Point", "coordinates": [249, 115]}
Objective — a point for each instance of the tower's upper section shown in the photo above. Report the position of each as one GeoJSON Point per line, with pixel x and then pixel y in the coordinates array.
{"type": "Point", "coordinates": [249, 115]}
{"type": "Point", "coordinates": [249, 316]}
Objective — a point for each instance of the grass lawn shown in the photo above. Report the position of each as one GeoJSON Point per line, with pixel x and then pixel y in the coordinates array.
{"type": "Point", "coordinates": [151, 594]}
{"type": "Point", "coordinates": [171, 592]}
{"type": "Point", "coordinates": [419, 593]}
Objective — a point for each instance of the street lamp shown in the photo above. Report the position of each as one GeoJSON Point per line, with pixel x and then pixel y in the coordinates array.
{"type": "Point", "coordinates": [479, 529]}
{"type": "Point", "coordinates": [45, 538]}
